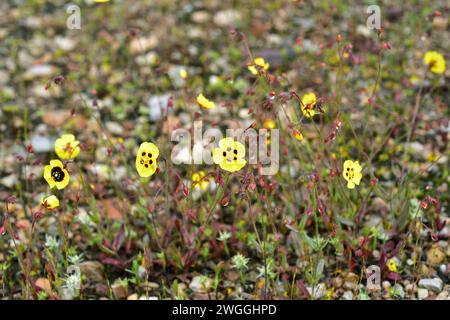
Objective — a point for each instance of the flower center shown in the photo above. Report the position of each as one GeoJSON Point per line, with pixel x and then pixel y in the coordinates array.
{"type": "Point", "coordinates": [350, 173]}
{"type": "Point", "coordinates": [57, 174]}
{"type": "Point", "coordinates": [68, 148]}
{"type": "Point", "coordinates": [230, 156]}
{"type": "Point", "coordinates": [146, 159]}
{"type": "Point", "coordinates": [309, 106]}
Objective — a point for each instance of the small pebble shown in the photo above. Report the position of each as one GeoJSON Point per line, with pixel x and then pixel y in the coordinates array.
{"type": "Point", "coordinates": [422, 293]}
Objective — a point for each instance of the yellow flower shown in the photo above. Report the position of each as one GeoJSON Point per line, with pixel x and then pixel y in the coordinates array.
{"type": "Point", "coordinates": [56, 175]}
{"type": "Point", "coordinates": [269, 124]}
{"type": "Point", "coordinates": [146, 159]}
{"type": "Point", "coordinates": [433, 157]}
{"type": "Point", "coordinates": [329, 293]}
{"type": "Point", "coordinates": [352, 173]}
{"type": "Point", "coordinates": [100, 1]}
{"type": "Point", "coordinates": [198, 181]}
{"type": "Point", "coordinates": [414, 80]}
{"type": "Point", "coordinates": [261, 65]}
{"type": "Point", "coordinates": [435, 61]}
{"type": "Point", "coordinates": [66, 147]}
{"type": "Point", "coordinates": [205, 103]}
{"type": "Point", "coordinates": [183, 74]}
{"type": "Point", "coordinates": [298, 135]}
{"type": "Point", "coordinates": [50, 202]}
{"type": "Point", "coordinates": [230, 155]}
{"type": "Point", "coordinates": [308, 103]}
{"type": "Point", "coordinates": [392, 266]}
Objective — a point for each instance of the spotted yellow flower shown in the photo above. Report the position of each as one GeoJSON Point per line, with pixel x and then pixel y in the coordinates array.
{"type": "Point", "coordinates": [198, 181]}
{"type": "Point", "coordinates": [352, 173]}
{"type": "Point", "coordinates": [67, 147]}
{"type": "Point", "coordinates": [204, 102]}
{"type": "Point", "coordinates": [260, 63]}
{"type": "Point", "coordinates": [50, 202]}
{"type": "Point", "coordinates": [308, 104]}
{"type": "Point", "coordinates": [435, 61]}
{"type": "Point", "coordinates": [56, 175]}
{"type": "Point", "coordinates": [146, 159]}
{"type": "Point", "coordinates": [298, 135]}
{"type": "Point", "coordinates": [230, 155]}
{"type": "Point", "coordinates": [392, 266]}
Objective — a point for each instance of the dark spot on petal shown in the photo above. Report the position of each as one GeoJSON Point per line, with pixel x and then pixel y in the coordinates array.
{"type": "Point", "coordinates": [146, 165]}
{"type": "Point", "coordinates": [235, 151]}
{"type": "Point", "coordinates": [57, 174]}
{"type": "Point", "coordinates": [151, 161]}
{"type": "Point", "coordinates": [143, 154]}
{"type": "Point", "coordinates": [224, 154]}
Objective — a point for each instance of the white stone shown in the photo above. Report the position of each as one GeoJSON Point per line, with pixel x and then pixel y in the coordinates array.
{"type": "Point", "coordinates": [226, 18]}
{"type": "Point", "coordinates": [319, 291]}
{"type": "Point", "coordinates": [157, 107]}
{"type": "Point", "coordinates": [434, 284]}
{"type": "Point", "coordinates": [41, 70]}
{"type": "Point", "coordinates": [65, 44]}
{"type": "Point", "coordinates": [348, 295]}
{"type": "Point", "coordinates": [200, 284]}
{"type": "Point", "coordinates": [422, 293]}
{"type": "Point", "coordinates": [41, 143]}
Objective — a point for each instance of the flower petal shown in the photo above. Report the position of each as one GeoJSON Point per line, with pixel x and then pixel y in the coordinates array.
{"type": "Point", "coordinates": [204, 102]}
{"type": "Point", "coordinates": [65, 181]}
{"type": "Point", "coordinates": [50, 202]}
{"type": "Point", "coordinates": [348, 164]}
{"type": "Point", "coordinates": [357, 166]}
{"type": "Point", "coordinates": [226, 143]}
{"type": "Point", "coordinates": [357, 178]}
{"type": "Point", "coordinates": [149, 148]}
{"type": "Point", "coordinates": [48, 176]}
{"type": "Point", "coordinates": [217, 155]}
{"type": "Point", "coordinates": [68, 137]}
{"type": "Point", "coordinates": [233, 166]}
{"type": "Point", "coordinates": [240, 148]}
{"type": "Point", "coordinates": [146, 172]}
{"type": "Point", "coordinates": [56, 163]}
